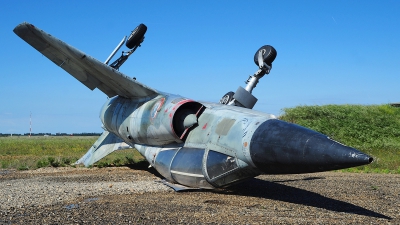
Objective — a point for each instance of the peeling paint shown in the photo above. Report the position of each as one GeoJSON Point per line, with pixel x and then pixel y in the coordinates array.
{"type": "Point", "coordinates": [224, 126]}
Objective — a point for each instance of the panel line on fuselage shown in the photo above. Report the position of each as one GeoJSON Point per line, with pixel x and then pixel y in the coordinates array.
{"type": "Point", "coordinates": [187, 174]}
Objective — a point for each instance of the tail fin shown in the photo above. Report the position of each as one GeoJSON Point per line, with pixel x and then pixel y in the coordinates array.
{"type": "Point", "coordinates": [106, 144]}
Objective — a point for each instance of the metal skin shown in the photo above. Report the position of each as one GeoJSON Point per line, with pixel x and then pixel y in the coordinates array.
{"type": "Point", "coordinates": [195, 144]}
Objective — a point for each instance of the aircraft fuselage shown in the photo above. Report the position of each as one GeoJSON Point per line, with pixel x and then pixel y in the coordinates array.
{"type": "Point", "coordinates": [208, 145]}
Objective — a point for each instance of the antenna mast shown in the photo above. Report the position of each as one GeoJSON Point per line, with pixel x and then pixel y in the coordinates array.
{"type": "Point", "coordinates": [30, 124]}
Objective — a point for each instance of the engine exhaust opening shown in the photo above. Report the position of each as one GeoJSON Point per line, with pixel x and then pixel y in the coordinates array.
{"type": "Point", "coordinates": [185, 118]}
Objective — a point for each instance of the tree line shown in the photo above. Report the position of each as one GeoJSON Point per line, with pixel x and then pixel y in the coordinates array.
{"type": "Point", "coordinates": [50, 134]}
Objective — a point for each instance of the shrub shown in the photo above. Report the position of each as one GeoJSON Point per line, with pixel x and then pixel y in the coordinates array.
{"type": "Point", "coordinates": [23, 167]}
{"type": "Point", "coordinates": [42, 163]}
{"type": "Point", "coordinates": [53, 162]}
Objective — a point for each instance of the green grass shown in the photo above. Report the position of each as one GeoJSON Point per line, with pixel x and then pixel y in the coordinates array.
{"type": "Point", "coordinates": [34, 152]}
{"type": "Point", "coordinates": [373, 129]}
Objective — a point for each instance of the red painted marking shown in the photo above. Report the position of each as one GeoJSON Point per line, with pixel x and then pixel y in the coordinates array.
{"type": "Point", "coordinates": [170, 115]}
{"type": "Point", "coordinates": [205, 126]}
{"type": "Point", "coordinates": [161, 104]}
{"type": "Point", "coordinates": [184, 133]}
{"type": "Point", "coordinates": [181, 103]}
{"type": "Point", "coordinates": [198, 111]}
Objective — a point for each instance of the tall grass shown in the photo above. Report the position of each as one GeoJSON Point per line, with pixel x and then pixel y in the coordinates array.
{"type": "Point", "coordinates": [34, 152]}
{"type": "Point", "coordinates": [373, 129]}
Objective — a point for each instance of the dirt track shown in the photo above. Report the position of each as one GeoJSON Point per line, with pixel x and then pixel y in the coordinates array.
{"type": "Point", "coordinates": [125, 195]}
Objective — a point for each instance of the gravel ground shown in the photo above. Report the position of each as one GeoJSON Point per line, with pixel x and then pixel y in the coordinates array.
{"type": "Point", "coordinates": [124, 195]}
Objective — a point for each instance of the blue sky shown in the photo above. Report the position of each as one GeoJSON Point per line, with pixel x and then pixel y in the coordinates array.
{"type": "Point", "coordinates": [329, 52]}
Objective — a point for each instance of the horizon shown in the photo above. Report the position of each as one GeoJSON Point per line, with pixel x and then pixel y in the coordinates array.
{"type": "Point", "coordinates": [396, 105]}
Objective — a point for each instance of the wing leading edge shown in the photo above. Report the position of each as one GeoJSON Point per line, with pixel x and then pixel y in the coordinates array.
{"type": "Point", "coordinates": [88, 70]}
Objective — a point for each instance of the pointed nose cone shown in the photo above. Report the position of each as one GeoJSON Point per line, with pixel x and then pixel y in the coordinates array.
{"type": "Point", "coordinates": [278, 147]}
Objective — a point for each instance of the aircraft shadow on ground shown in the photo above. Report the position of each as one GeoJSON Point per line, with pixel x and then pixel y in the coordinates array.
{"type": "Point", "coordinates": [277, 191]}
{"type": "Point", "coordinates": [143, 165]}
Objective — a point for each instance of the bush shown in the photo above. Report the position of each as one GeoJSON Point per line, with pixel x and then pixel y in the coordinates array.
{"type": "Point", "coordinates": [53, 162]}
{"type": "Point", "coordinates": [23, 167]}
{"type": "Point", "coordinates": [102, 164]}
{"type": "Point", "coordinates": [117, 162]}
{"type": "Point", "coordinates": [129, 160]}
{"type": "Point", "coordinates": [42, 163]}
{"type": "Point", "coordinates": [66, 161]}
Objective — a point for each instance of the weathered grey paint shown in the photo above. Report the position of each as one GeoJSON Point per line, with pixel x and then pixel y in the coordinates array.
{"type": "Point", "coordinates": [197, 144]}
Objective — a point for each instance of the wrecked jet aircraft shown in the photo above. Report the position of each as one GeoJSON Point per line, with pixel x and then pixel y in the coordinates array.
{"type": "Point", "coordinates": [191, 143]}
